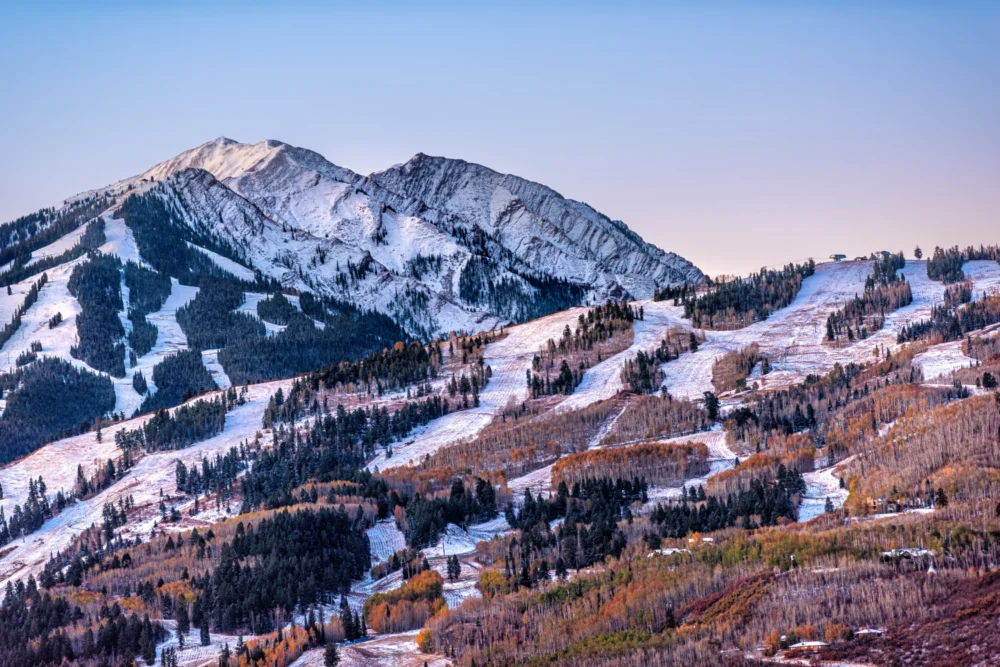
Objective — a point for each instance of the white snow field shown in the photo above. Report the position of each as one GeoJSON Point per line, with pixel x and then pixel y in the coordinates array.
{"type": "Point", "coordinates": [793, 337]}
{"type": "Point", "coordinates": [820, 485]}
{"type": "Point", "coordinates": [508, 358]}
{"type": "Point", "coordinates": [939, 361]}
{"type": "Point", "coordinates": [59, 246]}
{"type": "Point", "coordinates": [603, 380]}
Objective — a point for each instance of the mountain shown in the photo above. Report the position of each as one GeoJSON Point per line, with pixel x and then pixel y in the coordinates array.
{"type": "Point", "coordinates": [439, 244]}
{"type": "Point", "coordinates": [194, 246]}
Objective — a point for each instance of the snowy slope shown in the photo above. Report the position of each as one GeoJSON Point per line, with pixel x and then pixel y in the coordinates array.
{"type": "Point", "coordinates": [319, 209]}
{"type": "Point", "coordinates": [538, 224]}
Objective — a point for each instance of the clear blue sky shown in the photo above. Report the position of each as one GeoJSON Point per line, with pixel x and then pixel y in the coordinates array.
{"type": "Point", "coordinates": [737, 135]}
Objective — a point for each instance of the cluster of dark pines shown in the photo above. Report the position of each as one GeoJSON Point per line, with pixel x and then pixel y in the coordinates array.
{"type": "Point", "coordinates": [426, 518]}
{"type": "Point", "coordinates": [588, 534]}
{"type": "Point", "coordinates": [741, 302]}
{"type": "Point", "coordinates": [190, 423]}
{"type": "Point", "coordinates": [20, 238]}
{"type": "Point", "coordinates": [290, 561]}
{"type": "Point", "coordinates": [518, 297]}
{"type": "Point", "coordinates": [33, 631]}
{"type": "Point", "coordinates": [885, 291]}
{"type": "Point", "coordinates": [178, 377]}
{"type": "Point", "coordinates": [28, 518]}
{"type": "Point", "coordinates": [762, 504]}
{"type": "Point", "coordinates": [96, 284]}
{"type": "Point", "coordinates": [332, 447]}
{"type": "Point", "coordinates": [47, 400]}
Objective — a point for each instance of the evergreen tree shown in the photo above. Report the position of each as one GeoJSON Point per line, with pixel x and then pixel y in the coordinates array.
{"type": "Point", "coordinates": [331, 658]}
{"type": "Point", "coordinates": [183, 620]}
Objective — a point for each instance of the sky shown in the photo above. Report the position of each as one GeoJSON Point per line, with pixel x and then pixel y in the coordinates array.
{"type": "Point", "coordinates": [738, 135]}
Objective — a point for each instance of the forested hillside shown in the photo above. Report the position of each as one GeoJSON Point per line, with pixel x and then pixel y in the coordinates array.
{"type": "Point", "coordinates": [240, 429]}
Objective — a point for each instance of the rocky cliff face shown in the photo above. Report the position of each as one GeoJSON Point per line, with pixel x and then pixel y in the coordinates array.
{"type": "Point", "coordinates": [539, 225]}
{"type": "Point", "coordinates": [439, 244]}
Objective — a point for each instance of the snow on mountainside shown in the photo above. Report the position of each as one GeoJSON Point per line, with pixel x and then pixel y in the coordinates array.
{"type": "Point", "coordinates": [393, 220]}
{"type": "Point", "coordinates": [538, 224]}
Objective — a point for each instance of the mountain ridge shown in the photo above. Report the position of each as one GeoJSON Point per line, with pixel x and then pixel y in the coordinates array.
{"type": "Point", "coordinates": [438, 243]}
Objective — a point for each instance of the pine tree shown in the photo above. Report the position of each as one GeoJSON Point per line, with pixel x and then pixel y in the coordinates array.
{"type": "Point", "coordinates": [183, 620]}
{"type": "Point", "coordinates": [347, 619]}
{"type": "Point", "coordinates": [205, 639]}
{"type": "Point", "coordinates": [148, 645]}
{"type": "Point", "coordinates": [331, 658]}
{"type": "Point", "coordinates": [828, 507]}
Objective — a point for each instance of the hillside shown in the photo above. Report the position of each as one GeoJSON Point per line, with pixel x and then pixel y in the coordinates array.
{"type": "Point", "coordinates": [219, 443]}
{"type": "Point", "coordinates": [360, 263]}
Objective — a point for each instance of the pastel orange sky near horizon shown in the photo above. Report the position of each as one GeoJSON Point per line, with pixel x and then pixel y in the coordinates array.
{"type": "Point", "coordinates": [737, 135]}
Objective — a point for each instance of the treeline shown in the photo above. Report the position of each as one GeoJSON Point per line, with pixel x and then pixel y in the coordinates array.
{"type": "Point", "coordinates": [731, 370]}
{"type": "Point", "coordinates": [520, 297]}
{"type": "Point", "coordinates": [388, 369]}
{"type": "Point", "coordinates": [289, 561]}
{"type": "Point", "coordinates": [48, 400]}
{"type": "Point", "coordinates": [945, 264]}
{"type": "Point", "coordinates": [210, 320]}
{"type": "Point", "coordinates": [19, 239]}
{"type": "Point", "coordinates": [762, 504]}
{"type": "Point", "coordinates": [30, 298]}
{"type": "Point", "coordinates": [950, 321]}
{"type": "Point", "coordinates": [885, 291]}
{"type": "Point", "coordinates": [607, 328]}
{"type": "Point", "coordinates": [660, 464]}
{"type": "Point", "coordinates": [188, 424]}
{"type": "Point", "coordinates": [424, 519]}
{"type": "Point", "coordinates": [163, 239]}
{"type": "Point", "coordinates": [376, 426]}
{"type": "Point", "coordinates": [742, 302]}
{"type": "Point", "coordinates": [96, 284]}
{"type": "Point", "coordinates": [178, 377]}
